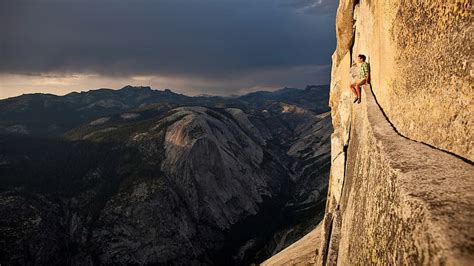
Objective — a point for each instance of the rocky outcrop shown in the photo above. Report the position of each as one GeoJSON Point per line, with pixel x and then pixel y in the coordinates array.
{"type": "Point", "coordinates": [302, 252]}
{"type": "Point", "coordinates": [208, 153]}
{"type": "Point", "coordinates": [402, 177]}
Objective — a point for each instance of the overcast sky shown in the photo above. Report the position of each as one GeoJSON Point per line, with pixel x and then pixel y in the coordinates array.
{"type": "Point", "coordinates": [190, 46]}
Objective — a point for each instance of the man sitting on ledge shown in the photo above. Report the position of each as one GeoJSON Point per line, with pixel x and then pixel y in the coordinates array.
{"type": "Point", "coordinates": [364, 77]}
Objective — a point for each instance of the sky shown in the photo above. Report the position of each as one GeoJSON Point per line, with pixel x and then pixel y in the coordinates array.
{"type": "Point", "coordinates": [217, 47]}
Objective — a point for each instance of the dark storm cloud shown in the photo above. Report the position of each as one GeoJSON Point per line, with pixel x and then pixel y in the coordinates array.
{"type": "Point", "coordinates": [212, 39]}
{"type": "Point", "coordinates": [319, 7]}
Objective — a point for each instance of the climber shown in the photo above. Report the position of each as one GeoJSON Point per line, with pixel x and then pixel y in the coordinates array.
{"type": "Point", "coordinates": [364, 77]}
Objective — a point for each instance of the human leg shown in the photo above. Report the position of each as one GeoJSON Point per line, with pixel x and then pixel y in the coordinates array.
{"type": "Point", "coordinates": [358, 88]}
{"type": "Point", "coordinates": [354, 90]}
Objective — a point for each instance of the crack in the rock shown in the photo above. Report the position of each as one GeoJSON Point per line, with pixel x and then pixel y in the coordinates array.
{"type": "Point", "coordinates": [418, 141]}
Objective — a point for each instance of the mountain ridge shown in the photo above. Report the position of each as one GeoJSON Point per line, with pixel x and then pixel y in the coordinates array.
{"type": "Point", "coordinates": [47, 114]}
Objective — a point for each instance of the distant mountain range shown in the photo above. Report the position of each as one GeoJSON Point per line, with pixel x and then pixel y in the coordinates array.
{"type": "Point", "coordinates": [140, 176]}
{"type": "Point", "coordinates": [52, 115]}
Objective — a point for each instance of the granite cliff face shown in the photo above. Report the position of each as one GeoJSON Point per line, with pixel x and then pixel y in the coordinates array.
{"type": "Point", "coordinates": [402, 175]}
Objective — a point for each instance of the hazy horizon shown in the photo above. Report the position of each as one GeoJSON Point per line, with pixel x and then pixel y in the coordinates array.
{"type": "Point", "coordinates": [257, 89]}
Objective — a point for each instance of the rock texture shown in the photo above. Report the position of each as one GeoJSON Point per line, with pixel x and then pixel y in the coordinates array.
{"type": "Point", "coordinates": [302, 252]}
{"type": "Point", "coordinates": [159, 185]}
{"type": "Point", "coordinates": [399, 205]}
{"type": "Point", "coordinates": [402, 178]}
{"type": "Point", "coordinates": [422, 68]}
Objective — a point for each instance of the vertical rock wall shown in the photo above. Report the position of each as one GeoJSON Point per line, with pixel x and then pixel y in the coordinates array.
{"type": "Point", "coordinates": [422, 67]}
{"type": "Point", "coordinates": [402, 179]}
